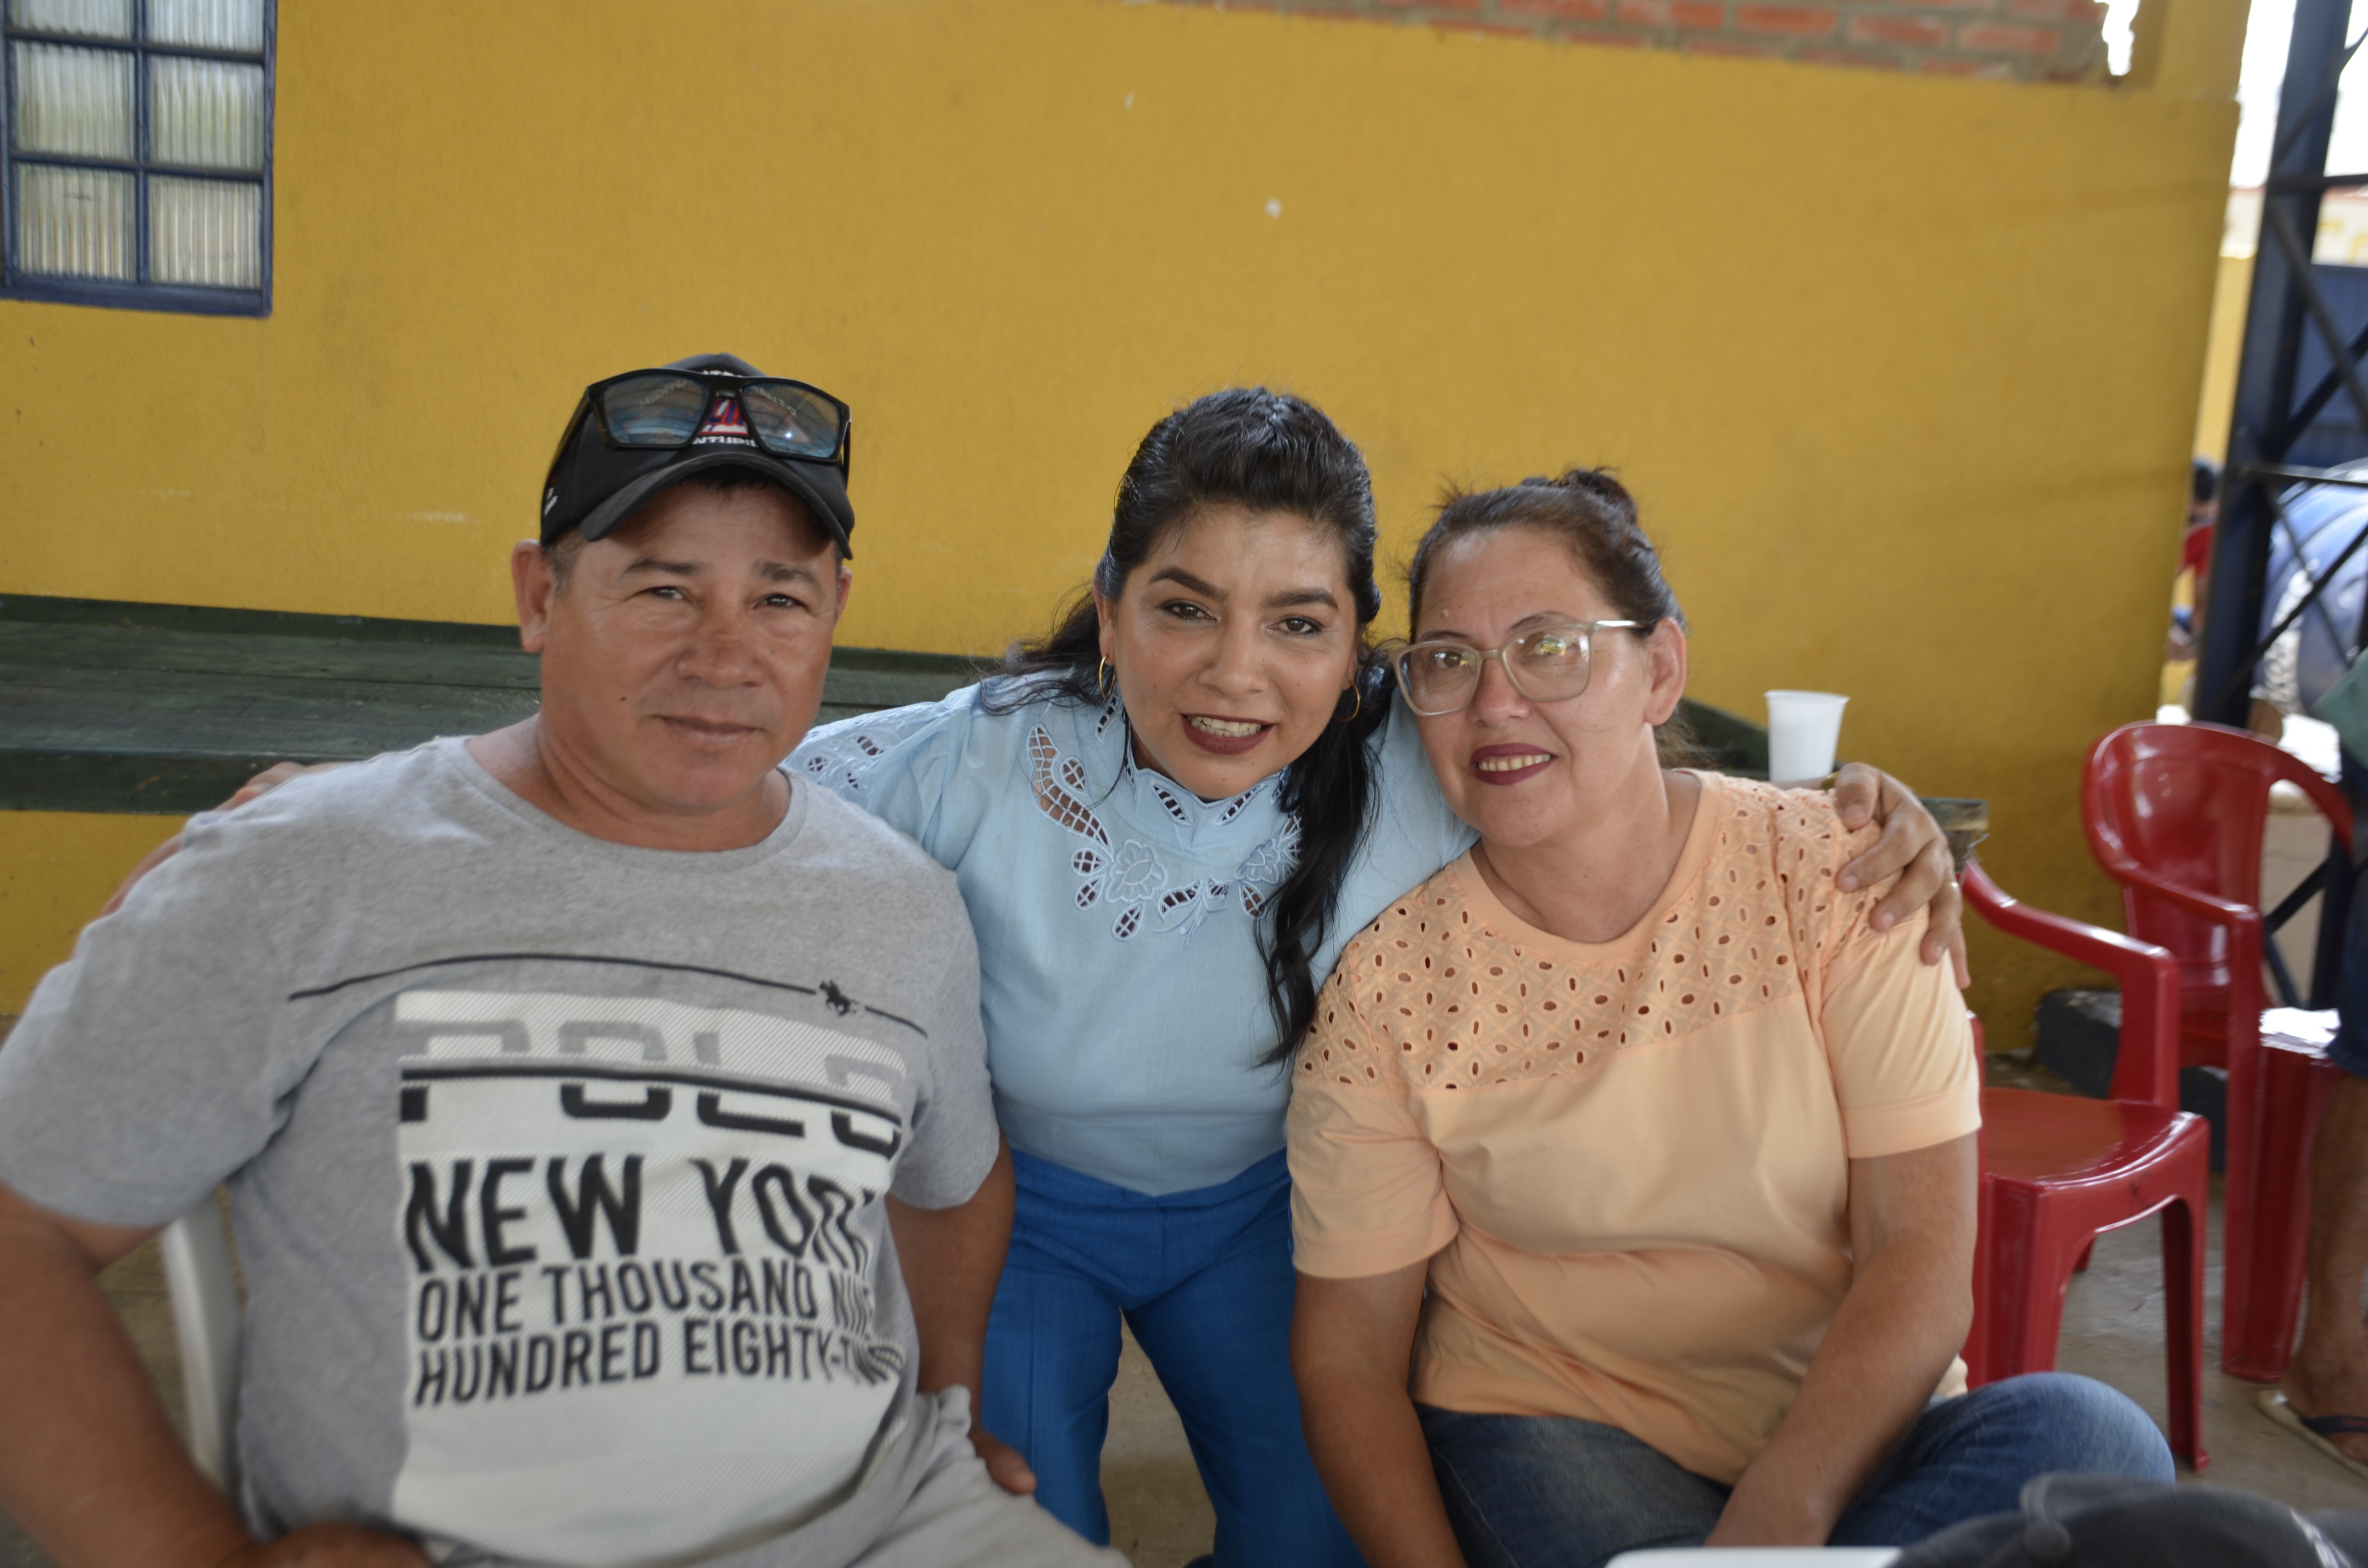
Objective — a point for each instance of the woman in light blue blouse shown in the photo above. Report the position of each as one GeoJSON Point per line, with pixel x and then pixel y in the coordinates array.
{"type": "Point", "coordinates": [1166, 819]}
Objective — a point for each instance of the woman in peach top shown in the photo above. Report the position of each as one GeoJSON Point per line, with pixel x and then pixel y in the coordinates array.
{"type": "Point", "coordinates": [1628, 1128]}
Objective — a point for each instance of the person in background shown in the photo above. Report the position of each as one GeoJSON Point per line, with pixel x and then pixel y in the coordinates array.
{"type": "Point", "coordinates": [2188, 584]}
{"type": "Point", "coordinates": [1634, 1131]}
{"type": "Point", "coordinates": [2323, 1398]}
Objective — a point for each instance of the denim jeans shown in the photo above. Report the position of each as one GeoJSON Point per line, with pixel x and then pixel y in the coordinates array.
{"type": "Point", "coordinates": [1204, 1278]}
{"type": "Point", "coordinates": [1548, 1492]}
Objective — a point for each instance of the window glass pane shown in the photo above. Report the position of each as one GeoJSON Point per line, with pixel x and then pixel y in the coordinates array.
{"type": "Point", "coordinates": [205, 114]}
{"type": "Point", "coordinates": [208, 24]}
{"type": "Point", "coordinates": [74, 101]}
{"type": "Point", "coordinates": [205, 231]}
{"type": "Point", "coordinates": [74, 222]}
{"type": "Point", "coordinates": [91, 18]}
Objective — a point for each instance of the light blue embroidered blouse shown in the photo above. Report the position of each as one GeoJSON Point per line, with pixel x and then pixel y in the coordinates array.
{"type": "Point", "coordinates": [1124, 1000]}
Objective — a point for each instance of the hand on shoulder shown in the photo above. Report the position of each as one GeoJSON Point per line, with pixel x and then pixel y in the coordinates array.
{"type": "Point", "coordinates": [1912, 846]}
{"type": "Point", "coordinates": [262, 784]}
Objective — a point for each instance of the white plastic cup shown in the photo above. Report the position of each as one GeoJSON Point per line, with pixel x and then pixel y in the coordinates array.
{"type": "Point", "coordinates": [1803, 728]}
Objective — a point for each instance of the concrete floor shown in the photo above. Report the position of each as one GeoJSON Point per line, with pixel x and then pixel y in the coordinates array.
{"type": "Point", "coordinates": [1159, 1515]}
{"type": "Point", "coordinates": [2113, 1331]}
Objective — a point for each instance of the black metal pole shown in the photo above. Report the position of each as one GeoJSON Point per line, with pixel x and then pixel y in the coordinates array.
{"type": "Point", "coordinates": [2263, 428]}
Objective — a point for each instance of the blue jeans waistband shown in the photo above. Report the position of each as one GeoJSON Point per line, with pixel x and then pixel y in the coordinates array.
{"type": "Point", "coordinates": [1042, 1178]}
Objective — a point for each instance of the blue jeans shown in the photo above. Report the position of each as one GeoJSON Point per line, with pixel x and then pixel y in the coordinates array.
{"type": "Point", "coordinates": [1548, 1492]}
{"type": "Point", "coordinates": [1204, 1278]}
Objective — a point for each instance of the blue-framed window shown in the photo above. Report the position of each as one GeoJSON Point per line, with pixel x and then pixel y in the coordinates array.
{"type": "Point", "coordinates": [138, 153]}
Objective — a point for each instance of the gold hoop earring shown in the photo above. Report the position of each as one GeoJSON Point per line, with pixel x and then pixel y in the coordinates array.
{"type": "Point", "coordinates": [1102, 679]}
{"type": "Point", "coordinates": [1351, 716]}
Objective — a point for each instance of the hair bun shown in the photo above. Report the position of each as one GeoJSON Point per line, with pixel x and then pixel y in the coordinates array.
{"type": "Point", "coordinates": [1599, 484]}
{"type": "Point", "coordinates": [1590, 509]}
{"type": "Point", "coordinates": [1591, 482]}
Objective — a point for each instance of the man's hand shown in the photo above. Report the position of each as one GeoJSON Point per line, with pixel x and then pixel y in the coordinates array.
{"type": "Point", "coordinates": [262, 784]}
{"type": "Point", "coordinates": [951, 1259]}
{"type": "Point", "coordinates": [1004, 1462]}
{"type": "Point", "coordinates": [90, 1466]}
{"type": "Point", "coordinates": [1912, 845]}
{"type": "Point", "coordinates": [330, 1546]}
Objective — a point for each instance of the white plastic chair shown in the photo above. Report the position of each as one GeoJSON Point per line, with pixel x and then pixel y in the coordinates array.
{"type": "Point", "coordinates": [205, 1312]}
{"type": "Point", "coordinates": [1756, 1557]}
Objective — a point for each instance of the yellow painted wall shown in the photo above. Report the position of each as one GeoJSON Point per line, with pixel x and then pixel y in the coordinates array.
{"type": "Point", "coordinates": [1905, 370]}
{"type": "Point", "coordinates": [2227, 347]}
{"type": "Point", "coordinates": [56, 869]}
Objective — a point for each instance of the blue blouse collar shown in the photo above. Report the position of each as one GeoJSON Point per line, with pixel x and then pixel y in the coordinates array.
{"type": "Point", "coordinates": [1151, 801]}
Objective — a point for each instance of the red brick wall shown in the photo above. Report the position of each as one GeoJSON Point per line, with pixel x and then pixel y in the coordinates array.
{"type": "Point", "coordinates": [2024, 41]}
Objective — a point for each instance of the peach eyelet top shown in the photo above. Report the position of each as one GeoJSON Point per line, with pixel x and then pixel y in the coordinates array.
{"type": "Point", "coordinates": [1628, 1161]}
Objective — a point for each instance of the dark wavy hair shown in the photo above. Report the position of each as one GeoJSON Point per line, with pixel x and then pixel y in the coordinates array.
{"type": "Point", "coordinates": [1594, 517]}
{"type": "Point", "coordinates": [1268, 452]}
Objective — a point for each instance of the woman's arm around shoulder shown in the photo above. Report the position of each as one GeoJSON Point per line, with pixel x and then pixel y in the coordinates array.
{"type": "Point", "coordinates": [924, 769]}
{"type": "Point", "coordinates": [1914, 848]}
{"type": "Point", "coordinates": [1414, 832]}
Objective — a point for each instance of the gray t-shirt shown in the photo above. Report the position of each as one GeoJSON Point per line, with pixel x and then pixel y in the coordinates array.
{"type": "Point", "coordinates": [556, 1165]}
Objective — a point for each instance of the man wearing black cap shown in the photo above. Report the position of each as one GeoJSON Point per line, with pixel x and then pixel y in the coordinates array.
{"type": "Point", "coordinates": [589, 1095]}
{"type": "Point", "coordinates": [637, 434]}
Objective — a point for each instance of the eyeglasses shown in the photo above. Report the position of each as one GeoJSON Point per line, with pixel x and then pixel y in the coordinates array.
{"type": "Point", "coordinates": [1550, 664]}
{"type": "Point", "coordinates": [667, 410]}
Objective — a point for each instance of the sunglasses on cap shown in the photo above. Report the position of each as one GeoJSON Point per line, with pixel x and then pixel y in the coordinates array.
{"type": "Point", "coordinates": [668, 410]}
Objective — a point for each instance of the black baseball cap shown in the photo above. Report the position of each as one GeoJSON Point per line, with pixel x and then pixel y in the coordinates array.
{"type": "Point", "coordinates": [593, 486]}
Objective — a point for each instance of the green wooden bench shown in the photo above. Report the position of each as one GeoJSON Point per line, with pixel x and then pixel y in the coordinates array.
{"type": "Point", "coordinates": [164, 710]}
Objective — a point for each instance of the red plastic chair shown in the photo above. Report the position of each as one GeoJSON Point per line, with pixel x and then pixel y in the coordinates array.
{"type": "Point", "coordinates": [2175, 814]}
{"type": "Point", "coordinates": [2059, 1170]}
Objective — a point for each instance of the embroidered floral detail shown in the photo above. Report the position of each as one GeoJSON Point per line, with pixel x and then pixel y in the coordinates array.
{"type": "Point", "coordinates": [1136, 874]}
{"type": "Point", "coordinates": [1170, 799]}
{"type": "Point", "coordinates": [1132, 879]}
{"type": "Point", "coordinates": [1182, 910]}
{"type": "Point", "coordinates": [1241, 802]}
{"type": "Point", "coordinates": [1268, 865]}
{"type": "Point", "coordinates": [1057, 780]}
{"type": "Point", "coordinates": [1172, 802]}
{"type": "Point", "coordinates": [843, 764]}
